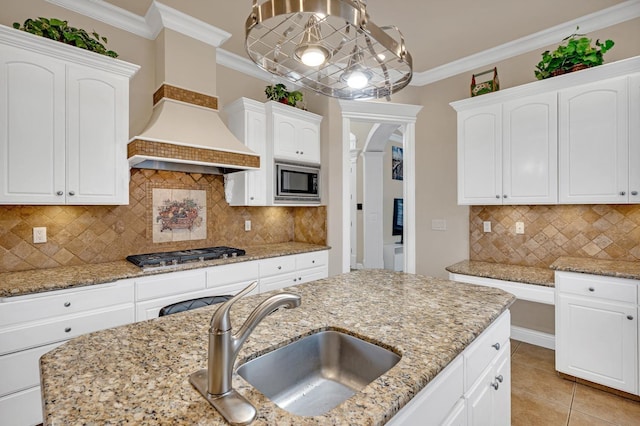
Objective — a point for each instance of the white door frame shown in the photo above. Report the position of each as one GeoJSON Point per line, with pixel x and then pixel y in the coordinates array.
{"type": "Point", "coordinates": [378, 112]}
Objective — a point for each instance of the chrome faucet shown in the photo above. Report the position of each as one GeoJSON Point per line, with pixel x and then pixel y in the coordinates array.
{"type": "Point", "coordinates": [214, 382]}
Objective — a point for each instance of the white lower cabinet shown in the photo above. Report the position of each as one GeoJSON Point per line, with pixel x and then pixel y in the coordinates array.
{"type": "Point", "coordinates": [597, 329]}
{"type": "Point", "coordinates": [285, 271]}
{"type": "Point", "coordinates": [474, 389]}
{"type": "Point", "coordinates": [35, 324]}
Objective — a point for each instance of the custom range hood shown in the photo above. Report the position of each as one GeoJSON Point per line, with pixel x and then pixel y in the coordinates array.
{"type": "Point", "coordinates": [185, 132]}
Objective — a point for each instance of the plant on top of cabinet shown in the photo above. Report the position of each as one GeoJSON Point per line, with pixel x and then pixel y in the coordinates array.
{"type": "Point", "coordinates": [58, 30]}
{"type": "Point", "coordinates": [279, 93]}
{"type": "Point", "coordinates": [577, 54]}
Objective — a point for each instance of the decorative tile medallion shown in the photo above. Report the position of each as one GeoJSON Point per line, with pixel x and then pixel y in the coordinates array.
{"type": "Point", "coordinates": [179, 215]}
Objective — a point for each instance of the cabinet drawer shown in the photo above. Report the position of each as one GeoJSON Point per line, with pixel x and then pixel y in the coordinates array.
{"type": "Point", "coordinates": [21, 370]}
{"type": "Point", "coordinates": [170, 283]}
{"type": "Point", "coordinates": [277, 265]}
{"type": "Point", "coordinates": [485, 348]}
{"type": "Point", "coordinates": [22, 408]}
{"type": "Point", "coordinates": [39, 333]}
{"type": "Point", "coordinates": [312, 260]}
{"type": "Point", "coordinates": [620, 289]}
{"type": "Point", "coordinates": [278, 282]}
{"type": "Point", "coordinates": [242, 272]}
{"type": "Point", "coordinates": [64, 303]}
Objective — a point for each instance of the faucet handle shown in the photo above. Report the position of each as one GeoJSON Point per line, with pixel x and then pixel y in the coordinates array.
{"type": "Point", "coordinates": [220, 321]}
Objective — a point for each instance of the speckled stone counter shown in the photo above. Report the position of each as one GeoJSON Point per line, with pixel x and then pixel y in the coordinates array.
{"type": "Point", "coordinates": [40, 280]}
{"type": "Point", "coordinates": [500, 271]}
{"type": "Point", "coordinates": [611, 268]}
{"type": "Point", "coordinates": [138, 374]}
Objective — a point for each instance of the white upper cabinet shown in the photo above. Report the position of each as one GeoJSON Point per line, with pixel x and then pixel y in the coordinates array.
{"type": "Point", "coordinates": [480, 156]}
{"type": "Point", "coordinates": [571, 139]}
{"type": "Point", "coordinates": [530, 150]}
{"type": "Point", "coordinates": [507, 153]}
{"type": "Point", "coordinates": [66, 115]}
{"type": "Point", "coordinates": [594, 147]}
{"type": "Point", "coordinates": [295, 133]}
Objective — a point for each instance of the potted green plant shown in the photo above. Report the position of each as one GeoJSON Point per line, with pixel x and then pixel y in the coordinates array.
{"type": "Point", "coordinates": [58, 30]}
{"type": "Point", "coordinates": [576, 54]}
{"type": "Point", "coordinates": [279, 93]}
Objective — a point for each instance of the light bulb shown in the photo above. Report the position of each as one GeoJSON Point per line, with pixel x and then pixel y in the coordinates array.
{"type": "Point", "coordinates": [357, 79]}
{"type": "Point", "coordinates": [313, 56]}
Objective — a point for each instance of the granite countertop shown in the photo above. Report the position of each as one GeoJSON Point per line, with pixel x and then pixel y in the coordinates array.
{"type": "Point", "coordinates": [611, 268]}
{"type": "Point", "coordinates": [40, 280]}
{"type": "Point", "coordinates": [139, 373]}
{"type": "Point", "coordinates": [501, 271]}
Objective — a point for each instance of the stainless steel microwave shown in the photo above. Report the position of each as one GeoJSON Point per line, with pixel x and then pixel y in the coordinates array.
{"type": "Point", "coordinates": [297, 183]}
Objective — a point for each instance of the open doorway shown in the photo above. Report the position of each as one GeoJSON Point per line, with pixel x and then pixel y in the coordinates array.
{"type": "Point", "coordinates": [377, 196]}
{"type": "Point", "coordinates": [393, 117]}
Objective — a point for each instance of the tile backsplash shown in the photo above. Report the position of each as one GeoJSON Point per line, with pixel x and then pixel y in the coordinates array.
{"type": "Point", "coordinates": [79, 235]}
{"type": "Point", "coordinates": [597, 231]}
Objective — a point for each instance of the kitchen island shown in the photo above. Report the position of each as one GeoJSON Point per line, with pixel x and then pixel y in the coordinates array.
{"type": "Point", "coordinates": [139, 373]}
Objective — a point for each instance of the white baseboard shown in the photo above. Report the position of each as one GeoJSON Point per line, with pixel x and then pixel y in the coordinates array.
{"type": "Point", "coordinates": [533, 337]}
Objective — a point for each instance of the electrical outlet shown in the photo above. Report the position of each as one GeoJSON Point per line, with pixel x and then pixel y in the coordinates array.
{"type": "Point", "coordinates": [519, 227]}
{"type": "Point", "coordinates": [247, 225]}
{"type": "Point", "coordinates": [39, 234]}
{"type": "Point", "coordinates": [486, 225]}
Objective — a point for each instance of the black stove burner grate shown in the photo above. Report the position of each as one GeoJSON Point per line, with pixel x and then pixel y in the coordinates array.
{"type": "Point", "coordinates": [183, 256]}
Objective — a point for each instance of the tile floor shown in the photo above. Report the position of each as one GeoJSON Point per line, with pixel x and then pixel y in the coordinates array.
{"type": "Point", "coordinates": [540, 398]}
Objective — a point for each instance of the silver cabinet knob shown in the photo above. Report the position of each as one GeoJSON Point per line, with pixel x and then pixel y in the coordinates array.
{"type": "Point", "coordinates": [629, 317]}
{"type": "Point", "coordinates": [297, 152]}
{"type": "Point", "coordinates": [623, 193]}
{"type": "Point", "coordinates": [301, 152]}
{"type": "Point", "coordinates": [72, 193]}
{"type": "Point", "coordinates": [251, 198]}
{"type": "Point", "coordinates": [67, 304]}
{"type": "Point", "coordinates": [67, 330]}
{"type": "Point", "coordinates": [59, 193]}
{"type": "Point", "coordinates": [279, 267]}
{"type": "Point", "coordinates": [497, 196]}
{"type": "Point", "coordinates": [500, 378]}
{"type": "Point", "coordinates": [497, 346]}
{"type": "Point", "coordinates": [591, 289]}
{"type": "Point", "coordinates": [295, 279]}
{"type": "Point", "coordinates": [504, 196]}
{"type": "Point", "coordinates": [495, 385]}
{"type": "Point", "coordinates": [313, 261]}
{"type": "Point", "coordinates": [634, 192]}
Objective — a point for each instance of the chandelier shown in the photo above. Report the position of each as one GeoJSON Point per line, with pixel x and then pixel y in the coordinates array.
{"type": "Point", "coordinates": [328, 46]}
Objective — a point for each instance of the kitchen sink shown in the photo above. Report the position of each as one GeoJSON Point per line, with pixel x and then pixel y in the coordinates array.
{"type": "Point", "coordinates": [312, 375]}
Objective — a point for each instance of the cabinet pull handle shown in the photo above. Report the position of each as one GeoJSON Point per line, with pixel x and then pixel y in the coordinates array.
{"type": "Point", "coordinates": [301, 152]}
{"type": "Point", "coordinates": [68, 329]}
{"type": "Point", "coordinates": [496, 345]}
{"type": "Point", "coordinates": [67, 304]}
{"type": "Point", "coordinates": [251, 198]}
{"type": "Point", "coordinates": [495, 385]}
{"type": "Point", "coordinates": [295, 279]}
{"type": "Point", "coordinates": [634, 192]}
{"type": "Point", "coordinates": [299, 278]}
{"type": "Point", "coordinates": [72, 193]}
{"type": "Point", "coordinates": [629, 317]}
{"type": "Point", "coordinates": [279, 267]}
{"type": "Point", "coordinates": [504, 196]}
{"type": "Point", "coordinates": [623, 193]}
{"type": "Point", "coordinates": [497, 196]}
{"type": "Point", "coordinates": [591, 289]}
{"type": "Point", "coordinates": [500, 378]}
{"type": "Point", "coordinates": [59, 193]}
{"type": "Point", "coordinates": [313, 261]}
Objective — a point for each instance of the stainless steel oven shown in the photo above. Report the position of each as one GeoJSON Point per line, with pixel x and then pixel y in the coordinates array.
{"type": "Point", "coordinates": [297, 183]}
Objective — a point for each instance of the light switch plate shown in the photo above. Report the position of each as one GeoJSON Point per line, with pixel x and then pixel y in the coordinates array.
{"type": "Point", "coordinates": [439, 224]}
{"type": "Point", "coordinates": [247, 225]}
{"type": "Point", "coordinates": [486, 226]}
{"type": "Point", "coordinates": [519, 227]}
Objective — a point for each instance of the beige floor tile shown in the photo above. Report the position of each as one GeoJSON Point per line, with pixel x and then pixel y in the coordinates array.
{"type": "Point", "coordinates": [544, 384]}
{"type": "Point", "coordinates": [576, 418]}
{"type": "Point", "coordinates": [606, 406]}
{"type": "Point", "coordinates": [530, 410]}
{"type": "Point", "coordinates": [535, 356]}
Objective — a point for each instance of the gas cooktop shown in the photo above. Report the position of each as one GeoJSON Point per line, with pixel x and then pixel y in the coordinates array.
{"type": "Point", "coordinates": [183, 256]}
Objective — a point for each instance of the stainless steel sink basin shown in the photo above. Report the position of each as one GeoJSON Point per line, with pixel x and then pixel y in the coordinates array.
{"type": "Point", "coordinates": [316, 373]}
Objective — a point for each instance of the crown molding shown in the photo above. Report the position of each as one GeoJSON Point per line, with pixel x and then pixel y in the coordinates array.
{"type": "Point", "coordinates": [109, 14]}
{"type": "Point", "coordinates": [243, 65]}
{"type": "Point", "coordinates": [595, 21]}
{"type": "Point", "coordinates": [158, 17]}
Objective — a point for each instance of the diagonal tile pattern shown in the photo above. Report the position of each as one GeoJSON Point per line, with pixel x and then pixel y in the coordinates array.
{"type": "Point", "coordinates": [600, 231]}
{"type": "Point", "coordinates": [80, 235]}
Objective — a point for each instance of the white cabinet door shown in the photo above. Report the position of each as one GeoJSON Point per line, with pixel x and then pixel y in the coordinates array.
{"type": "Point", "coordinates": [247, 121]}
{"type": "Point", "coordinates": [530, 150]}
{"type": "Point", "coordinates": [593, 144]}
{"type": "Point", "coordinates": [597, 340]}
{"type": "Point", "coordinates": [634, 139]}
{"type": "Point", "coordinates": [97, 123]}
{"type": "Point", "coordinates": [309, 142]}
{"type": "Point", "coordinates": [22, 408]}
{"type": "Point", "coordinates": [295, 134]}
{"type": "Point", "coordinates": [480, 155]}
{"type": "Point", "coordinates": [489, 400]}
{"type": "Point", "coordinates": [32, 139]}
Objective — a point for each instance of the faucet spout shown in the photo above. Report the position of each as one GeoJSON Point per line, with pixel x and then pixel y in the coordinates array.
{"type": "Point", "coordinates": [214, 383]}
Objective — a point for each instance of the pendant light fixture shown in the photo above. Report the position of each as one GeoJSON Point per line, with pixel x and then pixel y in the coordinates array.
{"type": "Point", "coordinates": [328, 46]}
